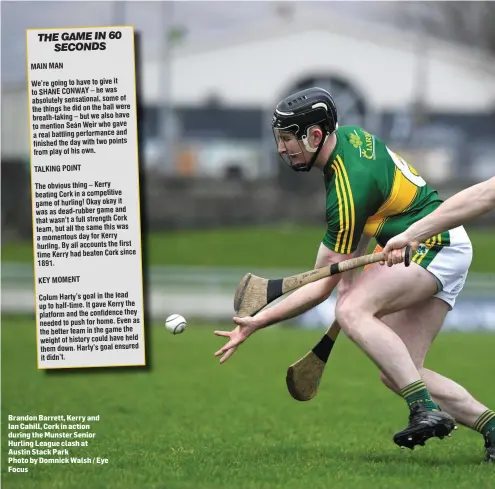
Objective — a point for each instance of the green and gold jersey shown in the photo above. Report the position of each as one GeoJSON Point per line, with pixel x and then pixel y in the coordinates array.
{"type": "Point", "coordinates": [371, 190]}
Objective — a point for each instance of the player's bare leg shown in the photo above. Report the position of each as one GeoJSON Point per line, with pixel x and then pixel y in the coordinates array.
{"type": "Point", "coordinates": [357, 315]}
{"type": "Point", "coordinates": [418, 327]}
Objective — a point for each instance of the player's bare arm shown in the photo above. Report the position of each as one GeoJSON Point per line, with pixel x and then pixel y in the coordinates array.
{"type": "Point", "coordinates": [455, 211]}
{"type": "Point", "coordinates": [297, 303]}
{"type": "Point", "coordinates": [306, 297]}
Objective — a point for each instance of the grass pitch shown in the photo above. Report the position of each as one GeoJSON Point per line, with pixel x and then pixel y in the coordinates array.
{"type": "Point", "coordinates": [263, 247]}
{"type": "Point", "coordinates": [190, 422]}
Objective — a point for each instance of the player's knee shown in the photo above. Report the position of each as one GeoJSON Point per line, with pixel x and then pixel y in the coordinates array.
{"type": "Point", "coordinates": [343, 313]}
{"type": "Point", "coordinates": [349, 318]}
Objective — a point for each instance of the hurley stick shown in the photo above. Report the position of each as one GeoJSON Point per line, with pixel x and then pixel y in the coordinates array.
{"type": "Point", "coordinates": [254, 293]}
{"type": "Point", "coordinates": [303, 377]}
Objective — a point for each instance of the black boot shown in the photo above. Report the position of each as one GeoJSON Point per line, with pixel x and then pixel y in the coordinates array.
{"type": "Point", "coordinates": [424, 424]}
{"type": "Point", "coordinates": [489, 448]}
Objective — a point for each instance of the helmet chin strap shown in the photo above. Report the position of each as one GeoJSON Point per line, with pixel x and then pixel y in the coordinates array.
{"type": "Point", "coordinates": [315, 151]}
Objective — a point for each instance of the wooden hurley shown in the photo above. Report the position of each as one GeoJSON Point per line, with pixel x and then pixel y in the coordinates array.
{"type": "Point", "coordinates": [304, 376]}
{"type": "Point", "coordinates": [254, 293]}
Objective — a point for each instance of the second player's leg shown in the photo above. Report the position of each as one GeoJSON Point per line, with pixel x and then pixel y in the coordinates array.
{"type": "Point", "coordinates": [374, 294]}
{"type": "Point", "coordinates": [418, 327]}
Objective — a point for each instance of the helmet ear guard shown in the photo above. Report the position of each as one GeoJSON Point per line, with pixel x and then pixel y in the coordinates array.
{"type": "Point", "coordinates": [315, 151]}
{"type": "Point", "coordinates": [304, 140]}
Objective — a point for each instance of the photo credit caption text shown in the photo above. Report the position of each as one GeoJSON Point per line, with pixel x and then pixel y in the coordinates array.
{"type": "Point", "coordinates": [40, 439]}
{"type": "Point", "coordinates": [85, 197]}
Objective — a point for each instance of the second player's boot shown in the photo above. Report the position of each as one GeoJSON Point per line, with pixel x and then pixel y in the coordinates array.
{"type": "Point", "coordinates": [424, 424]}
{"type": "Point", "coordinates": [489, 449]}
{"type": "Point", "coordinates": [485, 424]}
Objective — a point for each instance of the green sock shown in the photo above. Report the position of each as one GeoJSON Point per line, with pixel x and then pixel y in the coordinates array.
{"type": "Point", "coordinates": [485, 424]}
{"type": "Point", "coordinates": [417, 392]}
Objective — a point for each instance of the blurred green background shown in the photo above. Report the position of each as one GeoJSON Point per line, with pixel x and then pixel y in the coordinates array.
{"type": "Point", "coordinates": [268, 247]}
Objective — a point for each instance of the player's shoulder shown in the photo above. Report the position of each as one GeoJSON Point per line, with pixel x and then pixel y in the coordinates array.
{"type": "Point", "coordinates": [357, 141]}
{"type": "Point", "coordinates": [348, 131]}
{"type": "Point", "coordinates": [355, 150]}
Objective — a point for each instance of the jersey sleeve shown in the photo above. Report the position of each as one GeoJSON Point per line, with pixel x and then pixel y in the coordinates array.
{"type": "Point", "coordinates": [352, 197]}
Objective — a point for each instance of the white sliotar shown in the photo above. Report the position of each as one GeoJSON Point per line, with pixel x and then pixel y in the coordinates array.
{"type": "Point", "coordinates": [175, 323]}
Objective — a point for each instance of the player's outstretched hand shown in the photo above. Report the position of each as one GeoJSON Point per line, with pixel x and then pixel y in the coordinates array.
{"type": "Point", "coordinates": [393, 249]}
{"type": "Point", "coordinates": [245, 328]}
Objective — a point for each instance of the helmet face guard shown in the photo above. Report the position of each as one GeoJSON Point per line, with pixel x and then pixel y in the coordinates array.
{"type": "Point", "coordinates": [292, 121]}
